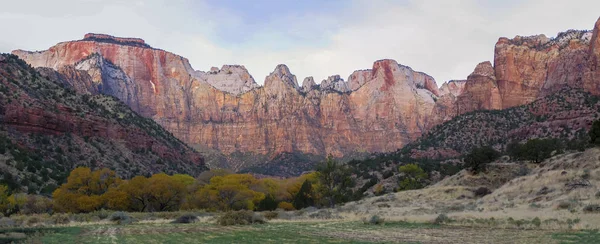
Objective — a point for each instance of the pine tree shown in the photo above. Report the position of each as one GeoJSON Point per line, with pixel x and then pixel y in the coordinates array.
{"type": "Point", "coordinates": [304, 197]}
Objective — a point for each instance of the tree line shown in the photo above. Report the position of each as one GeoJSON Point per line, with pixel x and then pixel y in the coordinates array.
{"type": "Point", "coordinates": [87, 190]}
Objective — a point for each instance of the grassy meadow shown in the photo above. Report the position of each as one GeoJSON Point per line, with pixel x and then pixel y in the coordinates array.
{"type": "Point", "coordinates": [280, 231]}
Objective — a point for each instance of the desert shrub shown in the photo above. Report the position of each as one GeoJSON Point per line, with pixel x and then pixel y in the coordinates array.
{"type": "Point", "coordinates": [60, 219]}
{"type": "Point", "coordinates": [101, 214]}
{"type": "Point", "coordinates": [564, 205]}
{"type": "Point", "coordinates": [242, 217]}
{"type": "Point", "coordinates": [33, 220]}
{"type": "Point", "coordinates": [441, 219]}
{"type": "Point", "coordinates": [481, 191]}
{"type": "Point", "coordinates": [258, 218]}
{"type": "Point", "coordinates": [324, 214]}
{"type": "Point", "coordinates": [592, 208]}
{"type": "Point", "coordinates": [271, 215]}
{"type": "Point", "coordinates": [374, 220]}
{"type": "Point", "coordinates": [286, 206]}
{"type": "Point", "coordinates": [185, 219]}
{"type": "Point", "coordinates": [537, 222]}
{"type": "Point", "coordinates": [120, 218]}
{"type": "Point", "coordinates": [7, 222]}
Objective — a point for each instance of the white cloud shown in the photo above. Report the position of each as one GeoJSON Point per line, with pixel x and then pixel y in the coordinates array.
{"type": "Point", "coordinates": [445, 39]}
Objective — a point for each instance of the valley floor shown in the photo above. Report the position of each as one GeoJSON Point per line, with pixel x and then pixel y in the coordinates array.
{"type": "Point", "coordinates": [305, 232]}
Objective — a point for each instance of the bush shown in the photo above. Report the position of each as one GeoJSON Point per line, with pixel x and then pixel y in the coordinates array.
{"type": "Point", "coordinates": [185, 219]}
{"type": "Point", "coordinates": [242, 217]}
{"type": "Point", "coordinates": [258, 218]}
{"type": "Point", "coordinates": [271, 215]}
{"type": "Point", "coordinates": [374, 220]}
{"type": "Point", "coordinates": [120, 218]}
{"type": "Point", "coordinates": [481, 191]}
{"type": "Point", "coordinates": [286, 206]}
{"type": "Point", "coordinates": [592, 208]}
{"type": "Point", "coordinates": [60, 219]}
{"type": "Point", "coordinates": [563, 205]}
{"type": "Point", "coordinates": [7, 222]}
{"type": "Point", "coordinates": [33, 220]}
{"type": "Point", "coordinates": [323, 214]}
{"type": "Point", "coordinates": [441, 219]}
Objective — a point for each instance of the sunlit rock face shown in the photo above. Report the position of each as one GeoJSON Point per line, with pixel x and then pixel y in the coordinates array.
{"type": "Point", "coordinates": [377, 109]}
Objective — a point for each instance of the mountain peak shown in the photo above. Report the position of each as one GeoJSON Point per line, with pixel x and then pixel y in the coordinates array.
{"type": "Point", "coordinates": [117, 40]}
{"type": "Point", "coordinates": [281, 75]}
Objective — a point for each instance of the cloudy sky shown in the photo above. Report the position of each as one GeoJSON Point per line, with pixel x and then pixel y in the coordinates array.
{"type": "Point", "coordinates": [444, 38]}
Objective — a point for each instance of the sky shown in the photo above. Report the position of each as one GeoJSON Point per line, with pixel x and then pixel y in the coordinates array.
{"type": "Point", "coordinates": [443, 38]}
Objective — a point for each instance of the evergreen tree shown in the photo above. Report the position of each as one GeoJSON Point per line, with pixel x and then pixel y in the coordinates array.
{"type": "Point", "coordinates": [304, 197]}
{"type": "Point", "coordinates": [267, 204]}
{"type": "Point", "coordinates": [595, 133]}
{"type": "Point", "coordinates": [336, 182]}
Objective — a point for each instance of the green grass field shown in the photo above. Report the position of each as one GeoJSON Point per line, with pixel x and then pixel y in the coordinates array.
{"type": "Point", "coordinates": [296, 232]}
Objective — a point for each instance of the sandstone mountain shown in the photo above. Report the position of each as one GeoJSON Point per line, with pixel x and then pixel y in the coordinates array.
{"type": "Point", "coordinates": [380, 109]}
{"type": "Point", "coordinates": [48, 127]}
{"type": "Point", "coordinates": [375, 110]}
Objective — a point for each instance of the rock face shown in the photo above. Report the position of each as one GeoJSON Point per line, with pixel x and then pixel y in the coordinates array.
{"type": "Point", "coordinates": [481, 91]}
{"type": "Point", "coordinates": [234, 79]}
{"type": "Point", "coordinates": [378, 109]}
{"type": "Point", "coordinates": [382, 109]}
{"type": "Point", "coordinates": [335, 84]}
{"type": "Point", "coordinates": [308, 84]}
{"type": "Point", "coordinates": [102, 128]}
{"type": "Point", "coordinates": [527, 68]}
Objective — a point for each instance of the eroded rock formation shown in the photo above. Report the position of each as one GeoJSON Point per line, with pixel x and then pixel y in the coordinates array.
{"type": "Point", "coordinates": [378, 109]}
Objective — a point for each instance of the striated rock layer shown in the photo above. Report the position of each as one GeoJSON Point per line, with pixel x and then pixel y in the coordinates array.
{"type": "Point", "coordinates": [379, 109]}
{"type": "Point", "coordinates": [526, 69]}
{"type": "Point", "coordinates": [80, 129]}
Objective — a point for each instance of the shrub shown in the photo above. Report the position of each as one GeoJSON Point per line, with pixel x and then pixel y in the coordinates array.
{"type": "Point", "coordinates": [592, 208]}
{"type": "Point", "coordinates": [271, 215]}
{"type": "Point", "coordinates": [564, 205]}
{"type": "Point", "coordinates": [60, 219]}
{"type": "Point", "coordinates": [374, 220]}
{"type": "Point", "coordinates": [7, 222]}
{"type": "Point", "coordinates": [120, 218]}
{"type": "Point", "coordinates": [185, 219]}
{"type": "Point", "coordinates": [323, 214]}
{"type": "Point", "coordinates": [33, 220]}
{"type": "Point", "coordinates": [242, 217]}
{"type": "Point", "coordinates": [286, 206]}
{"type": "Point", "coordinates": [481, 191]}
{"type": "Point", "coordinates": [258, 218]}
{"type": "Point", "coordinates": [441, 219]}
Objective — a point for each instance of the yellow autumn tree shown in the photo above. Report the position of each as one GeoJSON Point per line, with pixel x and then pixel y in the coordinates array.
{"type": "Point", "coordinates": [230, 192]}
{"type": "Point", "coordinates": [4, 206]}
{"type": "Point", "coordinates": [84, 190]}
{"type": "Point", "coordinates": [137, 194]}
{"type": "Point", "coordinates": [166, 192]}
